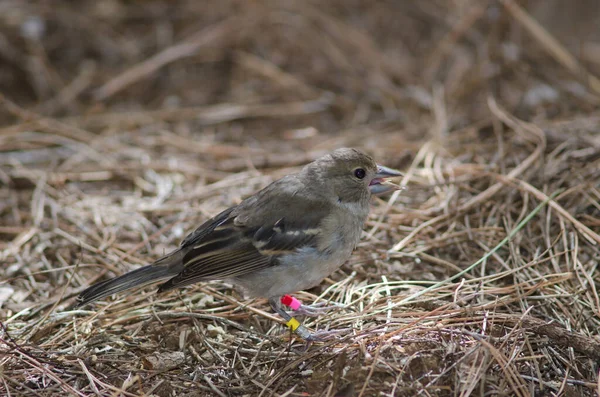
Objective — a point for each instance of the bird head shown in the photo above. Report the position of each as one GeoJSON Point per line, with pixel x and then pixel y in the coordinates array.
{"type": "Point", "coordinates": [351, 175]}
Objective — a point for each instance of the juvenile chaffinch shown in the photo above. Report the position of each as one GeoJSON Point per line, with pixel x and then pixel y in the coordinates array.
{"type": "Point", "coordinates": [287, 237]}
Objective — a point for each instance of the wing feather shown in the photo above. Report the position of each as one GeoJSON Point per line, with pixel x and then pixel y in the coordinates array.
{"type": "Point", "coordinates": [249, 237]}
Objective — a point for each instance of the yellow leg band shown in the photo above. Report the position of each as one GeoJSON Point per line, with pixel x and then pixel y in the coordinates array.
{"type": "Point", "coordinates": [293, 324]}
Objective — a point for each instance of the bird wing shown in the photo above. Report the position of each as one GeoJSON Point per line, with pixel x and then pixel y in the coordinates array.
{"type": "Point", "coordinates": [251, 236]}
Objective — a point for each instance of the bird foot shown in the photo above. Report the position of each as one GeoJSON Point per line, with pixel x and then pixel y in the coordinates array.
{"type": "Point", "coordinates": [314, 310]}
{"type": "Point", "coordinates": [296, 326]}
{"type": "Point", "coordinates": [320, 336]}
{"type": "Point", "coordinates": [323, 335]}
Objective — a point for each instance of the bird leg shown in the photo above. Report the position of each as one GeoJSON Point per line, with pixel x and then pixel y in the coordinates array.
{"type": "Point", "coordinates": [308, 310]}
{"type": "Point", "coordinates": [298, 328]}
{"type": "Point", "coordinates": [291, 322]}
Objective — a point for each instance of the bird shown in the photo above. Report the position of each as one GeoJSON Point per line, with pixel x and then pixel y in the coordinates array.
{"type": "Point", "coordinates": [285, 238]}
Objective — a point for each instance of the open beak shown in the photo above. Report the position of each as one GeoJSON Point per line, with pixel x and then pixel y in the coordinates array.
{"type": "Point", "coordinates": [379, 184]}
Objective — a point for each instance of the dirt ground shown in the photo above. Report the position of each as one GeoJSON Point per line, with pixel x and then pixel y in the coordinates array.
{"type": "Point", "coordinates": [125, 124]}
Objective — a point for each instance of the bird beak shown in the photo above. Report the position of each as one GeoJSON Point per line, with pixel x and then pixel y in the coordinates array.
{"type": "Point", "coordinates": [379, 185]}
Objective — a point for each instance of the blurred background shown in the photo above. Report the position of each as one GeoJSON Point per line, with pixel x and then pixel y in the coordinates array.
{"type": "Point", "coordinates": [124, 124]}
{"type": "Point", "coordinates": [322, 69]}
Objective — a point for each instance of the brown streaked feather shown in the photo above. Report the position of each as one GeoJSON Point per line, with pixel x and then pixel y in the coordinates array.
{"type": "Point", "coordinates": [206, 228]}
{"type": "Point", "coordinates": [224, 265]}
{"type": "Point", "coordinates": [280, 237]}
{"type": "Point", "coordinates": [247, 238]}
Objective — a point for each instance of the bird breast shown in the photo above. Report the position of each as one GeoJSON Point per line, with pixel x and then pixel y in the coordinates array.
{"type": "Point", "coordinates": [309, 265]}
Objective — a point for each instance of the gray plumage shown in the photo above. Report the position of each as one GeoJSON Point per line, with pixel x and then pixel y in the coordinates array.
{"type": "Point", "coordinates": [285, 238]}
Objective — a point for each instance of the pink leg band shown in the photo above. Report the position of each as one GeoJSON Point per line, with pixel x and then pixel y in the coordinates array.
{"type": "Point", "coordinates": [291, 302]}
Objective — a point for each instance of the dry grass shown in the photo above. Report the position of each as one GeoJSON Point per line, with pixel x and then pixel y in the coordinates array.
{"type": "Point", "coordinates": [126, 124]}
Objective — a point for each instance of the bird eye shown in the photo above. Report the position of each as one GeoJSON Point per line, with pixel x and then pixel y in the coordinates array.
{"type": "Point", "coordinates": [360, 173]}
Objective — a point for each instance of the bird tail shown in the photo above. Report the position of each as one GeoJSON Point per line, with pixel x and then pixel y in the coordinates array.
{"type": "Point", "coordinates": [166, 267]}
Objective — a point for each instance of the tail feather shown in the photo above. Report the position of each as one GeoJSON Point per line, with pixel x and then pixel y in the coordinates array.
{"type": "Point", "coordinates": [164, 268]}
